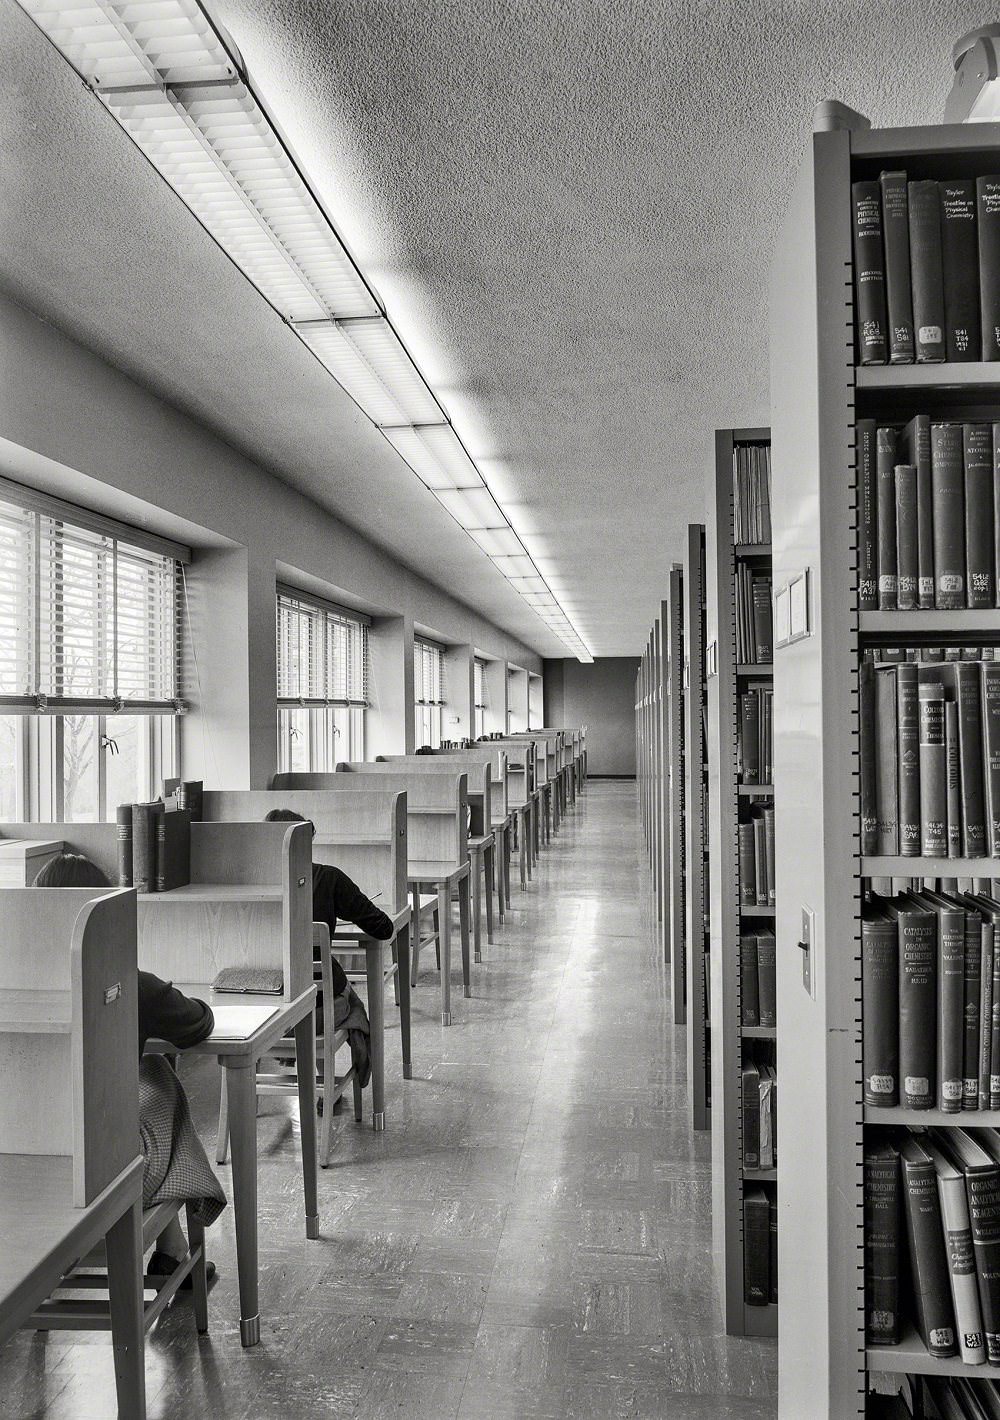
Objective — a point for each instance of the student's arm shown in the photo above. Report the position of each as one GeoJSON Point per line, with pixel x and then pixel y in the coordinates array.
{"type": "Point", "coordinates": [169, 1015]}
{"type": "Point", "coordinates": [354, 906]}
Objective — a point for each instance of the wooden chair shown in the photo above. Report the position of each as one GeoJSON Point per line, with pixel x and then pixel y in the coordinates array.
{"type": "Point", "coordinates": [71, 1170]}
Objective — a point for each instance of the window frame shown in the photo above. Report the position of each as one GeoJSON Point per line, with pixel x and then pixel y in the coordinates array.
{"type": "Point", "coordinates": [428, 710]}
{"type": "Point", "coordinates": [314, 716]}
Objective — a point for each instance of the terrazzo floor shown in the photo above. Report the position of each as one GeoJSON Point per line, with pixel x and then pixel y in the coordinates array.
{"type": "Point", "coordinates": [530, 1237]}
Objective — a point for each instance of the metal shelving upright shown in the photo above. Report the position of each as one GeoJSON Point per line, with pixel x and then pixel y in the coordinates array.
{"type": "Point", "coordinates": [696, 832]}
{"type": "Point", "coordinates": [672, 617]}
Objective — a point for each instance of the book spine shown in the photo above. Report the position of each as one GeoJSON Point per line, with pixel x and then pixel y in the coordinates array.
{"type": "Point", "coordinates": [932, 772]}
{"type": "Point", "coordinates": [750, 737]}
{"type": "Point", "coordinates": [926, 268]}
{"type": "Point", "coordinates": [951, 1008]}
{"type": "Point", "coordinates": [953, 779]}
{"type": "Point", "coordinates": [995, 1033]}
{"type": "Point", "coordinates": [982, 1190]}
{"type": "Point", "coordinates": [917, 1008]}
{"type": "Point", "coordinates": [908, 747]}
{"type": "Point", "coordinates": [191, 797]}
{"type": "Point", "coordinates": [886, 763]}
{"type": "Point", "coordinates": [882, 1248]}
{"type": "Point", "coordinates": [144, 847]}
{"type": "Point", "coordinates": [972, 990]}
{"type": "Point", "coordinates": [880, 1011]}
{"type": "Point", "coordinates": [869, 273]}
{"type": "Point", "coordinates": [988, 230]}
{"type": "Point", "coordinates": [772, 1213]}
{"type": "Point", "coordinates": [921, 458]}
{"type": "Point", "coordinates": [970, 758]}
{"type": "Point", "coordinates": [928, 1262]}
{"type": "Point", "coordinates": [760, 861]}
{"type": "Point", "coordinates": [748, 868]}
{"type": "Point", "coordinates": [756, 1248]}
{"type": "Point", "coordinates": [123, 839]}
{"type": "Point", "coordinates": [749, 987]}
{"type": "Point", "coordinates": [868, 726]}
{"type": "Point", "coordinates": [763, 650]}
{"type": "Point", "coordinates": [767, 979]}
{"type": "Point", "coordinates": [960, 264]}
{"type": "Point", "coordinates": [766, 1154]}
{"type": "Point", "coordinates": [898, 296]}
{"type": "Point", "coordinates": [948, 498]}
{"type": "Point", "coordinates": [907, 539]}
{"type": "Point", "coordinates": [885, 474]}
{"type": "Point", "coordinates": [977, 454]}
{"type": "Point", "coordinates": [769, 859]}
{"type": "Point", "coordinates": [962, 1269]}
{"type": "Point", "coordinates": [751, 1118]}
{"type": "Point", "coordinates": [162, 829]}
{"type": "Point", "coordinates": [986, 1015]}
{"type": "Point", "coordinates": [991, 753]}
{"type": "Point", "coordinates": [867, 517]}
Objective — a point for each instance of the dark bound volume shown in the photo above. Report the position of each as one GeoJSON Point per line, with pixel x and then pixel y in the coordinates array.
{"type": "Point", "coordinates": [928, 276]}
{"type": "Point", "coordinates": [772, 1213]}
{"type": "Point", "coordinates": [749, 989]}
{"type": "Point", "coordinates": [144, 818]}
{"type": "Point", "coordinates": [751, 1116]}
{"type": "Point", "coordinates": [908, 730]}
{"type": "Point", "coordinates": [750, 737]}
{"type": "Point", "coordinates": [886, 761]}
{"type": "Point", "coordinates": [867, 517]}
{"type": "Point", "coordinates": [173, 849]}
{"type": "Point", "coordinates": [760, 861]}
{"type": "Point", "coordinates": [960, 261]}
{"type": "Point", "coordinates": [933, 785]}
{"type": "Point", "coordinates": [880, 1004]}
{"type": "Point", "coordinates": [977, 453]}
{"type": "Point", "coordinates": [960, 1253]}
{"type": "Point", "coordinates": [988, 225]}
{"type": "Point", "coordinates": [948, 490]}
{"type": "Point", "coordinates": [869, 273]}
{"type": "Point", "coordinates": [907, 541]}
{"type": "Point", "coordinates": [769, 858]}
{"type": "Point", "coordinates": [885, 473]}
{"type": "Point", "coordinates": [964, 680]}
{"type": "Point", "coordinates": [928, 1260]}
{"type": "Point", "coordinates": [915, 447]}
{"type": "Point", "coordinates": [123, 838]}
{"type": "Point", "coordinates": [986, 974]}
{"type": "Point", "coordinates": [756, 1247]}
{"type": "Point", "coordinates": [190, 796]}
{"type": "Point", "coordinates": [767, 979]}
{"type": "Point", "coordinates": [882, 1244]}
{"type": "Point", "coordinates": [950, 999]}
{"type": "Point", "coordinates": [748, 867]}
{"type": "Point", "coordinates": [917, 1002]}
{"type": "Point", "coordinates": [982, 1189]}
{"type": "Point", "coordinates": [975, 930]}
{"type": "Point", "coordinates": [869, 728]}
{"type": "Point", "coordinates": [762, 633]}
{"type": "Point", "coordinates": [898, 296]}
{"type": "Point", "coordinates": [991, 753]}
{"type": "Point", "coordinates": [953, 779]}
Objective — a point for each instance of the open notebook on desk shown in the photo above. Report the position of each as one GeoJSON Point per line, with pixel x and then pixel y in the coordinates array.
{"type": "Point", "coordinates": [238, 1022]}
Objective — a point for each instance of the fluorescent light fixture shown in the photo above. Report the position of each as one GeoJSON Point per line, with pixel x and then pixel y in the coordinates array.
{"type": "Point", "coordinates": [975, 94]}
{"type": "Point", "coordinates": [176, 85]}
{"type": "Point", "coordinates": [367, 358]}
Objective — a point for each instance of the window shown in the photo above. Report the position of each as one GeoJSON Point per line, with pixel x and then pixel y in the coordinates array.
{"type": "Point", "coordinates": [322, 683]}
{"type": "Point", "coordinates": [479, 698]}
{"type": "Point", "coordinates": [89, 661]}
{"type": "Point", "coordinates": [428, 692]}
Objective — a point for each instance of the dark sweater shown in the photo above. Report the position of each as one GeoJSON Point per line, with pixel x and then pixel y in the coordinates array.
{"type": "Point", "coordinates": [336, 896]}
{"type": "Point", "coordinates": [167, 1014]}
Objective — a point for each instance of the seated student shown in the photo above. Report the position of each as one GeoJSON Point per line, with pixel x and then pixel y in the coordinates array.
{"type": "Point", "coordinates": [175, 1166]}
{"type": "Point", "coordinates": [336, 897]}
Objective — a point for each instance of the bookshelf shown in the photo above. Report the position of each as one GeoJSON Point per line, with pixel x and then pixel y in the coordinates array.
{"type": "Point", "coordinates": [818, 393]}
{"type": "Point", "coordinates": [696, 832]}
{"type": "Point", "coordinates": [672, 617]}
{"type": "Point", "coordinates": [650, 723]}
{"type": "Point", "coordinates": [731, 1047]}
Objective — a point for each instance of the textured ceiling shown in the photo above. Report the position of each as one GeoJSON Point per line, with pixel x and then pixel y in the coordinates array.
{"type": "Point", "coordinates": [568, 208]}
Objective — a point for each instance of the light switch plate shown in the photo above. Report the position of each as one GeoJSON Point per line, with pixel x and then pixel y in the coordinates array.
{"type": "Point", "coordinates": [808, 945]}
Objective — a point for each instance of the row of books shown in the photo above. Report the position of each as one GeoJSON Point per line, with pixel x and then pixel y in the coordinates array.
{"type": "Point", "coordinates": [752, 493]}
{"type": "Point", "coordinates": [755, 735]}
{"type": "Point", "coordinates": [927, 269]}
{"type": "Point", "coordinates": [754, 626]}
{"type": "Point", "coordinates": [755, 842]}
{"type": "Point", "coordinates": [930, 1001]}
{"type": "Point", "coordinates": [932, 1241]}
{"type": "Point", "coordinates": [896, 655]}
{"type": "Point", "coordinates": [758, 986]}
{"type": "Point", "coordinates": [154, 846]}
{"type": "Point", "coordinates": [928, 531]}
{"type": "Point", "coordinates": [930, 758]}
{"type": "Point", "coordinates": [760, 1247]}
{"type": "Point", "coordinates": [959, 1398]}
{"type": "Point", "coordinates": [759, 1103]}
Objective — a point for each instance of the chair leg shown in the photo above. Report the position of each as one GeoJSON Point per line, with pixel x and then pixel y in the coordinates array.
{"type": "Point", "coordinates": [477, 910]}
{"type": "Point", "coordinates": [415, 935]}
{"type": "Point", "coordinates": [124, 1247]}
{"type": "Point", "coordinates": [199, 1277]}
{"type": "Point", "coordinates": [329, 1084]}
{"type": "Point", "coordinates": [490, 876]}
{"type": "Point", "coordinates": [359, 1101]}
{"type": "Point", "coordinates": [222, 1141]}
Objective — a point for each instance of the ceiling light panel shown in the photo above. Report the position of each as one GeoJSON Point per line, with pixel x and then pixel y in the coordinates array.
{"type": "Point", "coordinates": [516, 566]}
{"type": "Point", "coordinates": [499, 542]}
{"type": "Point", "coordinates": [436, 455]}
{"type": "Point", "coordinates": [366, 357]}
{"type": "Point", "coordinates": [474, 508]}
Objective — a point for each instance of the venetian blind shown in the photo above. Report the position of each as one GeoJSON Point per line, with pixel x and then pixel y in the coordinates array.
{"type": "Point", "coordinates": [322, 653]}
{"type": "Point", "coordinates": [428, 673]}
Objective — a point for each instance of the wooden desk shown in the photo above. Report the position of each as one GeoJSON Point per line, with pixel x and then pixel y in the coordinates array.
{"type": "Point", "coordinates": [444, 878]}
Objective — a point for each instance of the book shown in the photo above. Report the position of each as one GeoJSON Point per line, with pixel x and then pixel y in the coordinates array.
{"type": "Point", "coordinates": [749, 988]}
{"type": "Point", "coordinates": [868, 723]}
{"type": "Point", "coordinates": [123, 840]}
{"type": "Point", "coordinates": [917, 1001]}
{"type": "Point", "coordinates": [977, 456]}
{"type": "Point", "coordinates": [750, 737]}
{"type": "Point", "coordinates": [927, 271]}
{"type": "Point", "coordinates": [772, 1213]}
{"type": "Point", "coordinates": [990, 713]}
{"type": "Point", "coordinates": [173, 849]}
{"type": "Point", "coordinates": [762, 632]}
{"type": "Point", "coordinates": [885, 482]}
{"type": "Point", "coordinates": [932, 789]}
{"type": "Point", "coordinates": [867, 516]}
{"type": "Point", "coordinates": [953, 779]}
{"type": "Point", "coordinates": [898, 294]}
{"type": "Point", "coordinates": [987, 975]}
{"type": "Point", "coordinates": [751, 1116]}
{"type": "Point", "coordinates": [908, 749]}
{"type": "Point", "coordinates": [883, 1239]}
{"type": "Point", "coordinates": [756, 1247]}
{"type": "Point", "coordinates": [982, 1191]}
{"type": "Point", "coordinates": [907, 540]}
{"type": "Point", "coordinates": [948, 499]}
{"type": "Point", "coordinates": [960, 266]}
{"type": "Point", "coordinates": [760, 860]}
{"type": "Point", "coordinates": [975, 930]}
{"type": "Point", "coordinates": [880, 974]}
{"type": "Point", "coordinates": [144, 845]}
{"type": "Point", "coordinates": [960, 1256]}
{"type": "Point", "coordinates": [950, 972]}
{"type": "Point", "coordinates": [769, 850]}
{"type": "Point", "coordinates": [190, 796]}
{"type": "Point", "coordinates": [995, 429]}
{"type": "Point", "coordinates": [768, 1142]}
{"type": "Point", "coordinates": [915, 448]}
{"type": "Point", "coordinates": [869, 273]}
{"type": "Point", "coordinates": [767, 990]}
{"type": "Point", "coordinates": [988, 232]}
{"type": "Point", "coordinates": [886, 762]}
{"type": "Point", "coordinates": [935, 1313]}
{"type": "Point", "coordinates": [963, 678]}
{"type": "Point", "coordinates": [747, 865]}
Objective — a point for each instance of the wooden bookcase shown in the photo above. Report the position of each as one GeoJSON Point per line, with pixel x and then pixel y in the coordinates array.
{"type": "Point", "coordinates": [731, 1046]}
{"type": "Point", "coordinates": [817, 394]}
{"type": "Point", "coordinates": [696, 934]}
{"type": "Point", "coordinates": [672, 616]}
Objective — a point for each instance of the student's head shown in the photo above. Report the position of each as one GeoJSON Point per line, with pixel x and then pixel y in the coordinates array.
{"type": "Point", "coordinates": [425, 749]}
{"type": "Point", "coordinates": [289, 816]}
{"type": "Point", "coordinates": [71, 870]}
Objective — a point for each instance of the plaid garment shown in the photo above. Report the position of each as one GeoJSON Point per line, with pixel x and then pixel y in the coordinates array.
{"type": "Point", "coordinates": [175, 1166]}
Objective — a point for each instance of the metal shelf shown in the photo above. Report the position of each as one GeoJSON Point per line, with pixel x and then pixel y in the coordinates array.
{"type": "Point", "coordinates": [976, 376]}
{"type": "Point", "coordinates": [902, 625]}
{"type": "Point", "coordinates": [764, 669]}
{"type": "Point", "coordinates": [965, 1119]}
{"type": "Point", "coordinates": [911, 1356]}
{"type": "Point", "coordinates": [898, 867]}
{"type": "Point", "coordinates": [755, 791]}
